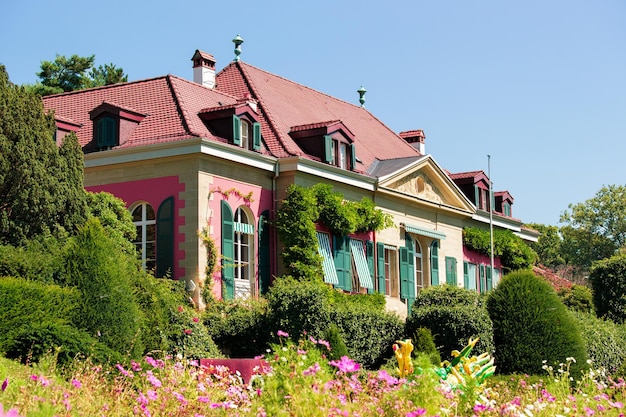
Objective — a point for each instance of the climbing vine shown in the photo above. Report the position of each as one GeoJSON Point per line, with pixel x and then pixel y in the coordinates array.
{"type": "Point", "coordinates": [303, 207]}
{"type": "Point", "coordinates": [513, 252]}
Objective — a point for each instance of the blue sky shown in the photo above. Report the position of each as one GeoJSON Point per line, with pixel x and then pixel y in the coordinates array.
{"type": "Point", "coordinates": [540, 85]}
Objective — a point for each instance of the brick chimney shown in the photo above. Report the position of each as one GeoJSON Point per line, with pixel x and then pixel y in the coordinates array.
{"type": "Point", "coordinates": [203, 69]}
{"type": "Point", "coordinates": [416, 138]}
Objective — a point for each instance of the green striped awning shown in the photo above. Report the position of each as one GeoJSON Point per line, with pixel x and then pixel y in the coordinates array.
{"type": "Point", "coordinates": [245, 228]}
{"type": "Point", "coordinates": [362, 269]}
{"type": "Point", "coordinates": [328, 265]}
{"type": "Point", "coordinates": [423, 231]}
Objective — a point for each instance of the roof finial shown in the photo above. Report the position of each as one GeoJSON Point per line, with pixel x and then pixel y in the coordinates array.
{"type": "Point", "coordinates": [362, 92]}
{"type": "Point", "coordinates": [237, 41]}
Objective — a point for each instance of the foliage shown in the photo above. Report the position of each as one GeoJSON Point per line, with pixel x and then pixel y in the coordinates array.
{"type": "Point", "coordinates": [295, 224]}
{"type": "Point", "coordinates": [513, 252]}
{"type": "Point", "coordinates": [117, 221]}
{"type": "Point", "coordinates": [548, 246]}
{"type": "Point", "coordinates": [338, 347]}
{"type": "Point", "coordinates": [596, 228]}
{"type": "Point", "coordinates": [367, 333]}
{"type": "Point", "coordinates": [453, 315]}
{"type": "Point", "coordinates": [577, 298]}
{"type": "Point", "coordinates": [38, 260]}
{"type": "Point", "coordinates": [240, 328]}
{"type": "Point", "coordinates": [532, 325]}
{"type": "Point", "coordinates": [41, 186]}
{"type": "Point", "coordinates": [339, 217]}
{"type": "Point", "coordinates": [608, 282]}
{"type": "Point", "coordinates": [374, 301]}
{"type": "Point", "coordinates": [107, 308]}
{"type": "Point", "coordinates": [23, 303]}
{"type": "Point", "coordinates": [424, 343]}
{"type": "Point", "coordinates": [75, 73]}
{"type": "Point", "coordinates": [605, 342]}
{"type": "Point", "coordinates": [298, 307]}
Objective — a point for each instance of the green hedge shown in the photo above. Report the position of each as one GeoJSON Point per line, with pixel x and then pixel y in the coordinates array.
{"type": "Point", "coordinates": [605, 342]}
{"type": "Point", "coordinates": [453, 315]}
{"type": "Point", "coordinates": [608, 281]}
{"type": "Point", "coordinates": [532, 325]}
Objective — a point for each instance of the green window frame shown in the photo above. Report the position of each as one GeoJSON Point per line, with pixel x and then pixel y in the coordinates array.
{"type": "Point", "coordinates": [165, 238]}
{"type": "Point", "coordinates": [228, 251]}
{"type": "Point", "coordinates": [434, 263]}
{"type": "Point", "coordinates": [236, 130]}
{"type": "Point", "coordinates": [106, 132]}
{"type": "Point", "coordinates": [342, 257]}
{"type": "Point", "coordinates": [380, 267]}
{"type": "Point", "coordinates": [451, 270]}
{"type": "Point", "coordinates": [256, 136]}
{"type": "Point", "coordinates": [328, 149]}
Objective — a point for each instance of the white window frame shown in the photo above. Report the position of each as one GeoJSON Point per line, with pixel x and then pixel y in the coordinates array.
{"type": "Point", "coordinates": [142, 240]}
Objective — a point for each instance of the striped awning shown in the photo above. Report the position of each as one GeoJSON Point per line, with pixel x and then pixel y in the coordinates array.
{"type": "Point", "coordinates": [362, 270]}
{"type": "Point", "coordinates": [423, 231]}
{"type": "Point", "coordinates": [328, 265]}
{"type": "Point", "coordinates": [245, 228]}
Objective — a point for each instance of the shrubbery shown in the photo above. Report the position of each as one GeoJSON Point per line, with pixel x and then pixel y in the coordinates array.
{"type": "Point", "coordinates": [453, 315]}
{"type": "Point", "coordinates": [532, 325]}
{"type": "Point", "coordinates": [605, 342]}
{"type": "Point", "coordinates": [608, 282]}
{"type": "Point", "coordinates": [578, 298]}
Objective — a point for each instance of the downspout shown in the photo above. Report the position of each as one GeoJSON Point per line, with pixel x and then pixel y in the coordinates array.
{"type": "Point", "coordinates": [273, 217]}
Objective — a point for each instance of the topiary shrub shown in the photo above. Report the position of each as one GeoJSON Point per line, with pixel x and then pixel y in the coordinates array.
{"type": "Point", "coordinates": [103, 275]}
{"type": "Point", "coordinates": [298, 306]}
{"type": "Point", "coordinates": [240, 328]}
{"type": "Point", "coordinates": [423, 342]}
{"type": "Point", "coordinates": [608, 282]}
{"type": "Point", "coordinates": [338, 347]}
{"type": "Point", "coordinates": [577, 298]}
{"type": "Point", "coordinates": [532, 325]}
{"type": "Point", "coordinates": [605, 342]}
{"type": "Point", "coordinates": [453, 315]}
{"type": "Point", "coordinates": [368, 333]}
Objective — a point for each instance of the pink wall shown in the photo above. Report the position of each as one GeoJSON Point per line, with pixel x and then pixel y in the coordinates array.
{"type": "Point", "coordinates": [478, 258]}
{"type": "Point", "coordinates": [233, 193]}
{"type": "Point", "coordinates": [154, 191]}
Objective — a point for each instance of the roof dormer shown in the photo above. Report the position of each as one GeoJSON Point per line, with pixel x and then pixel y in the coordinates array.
{"type": "Point", "coordinates": [113, 125]}
{"type": "Point", "coordinates": [238, 123]}
{"type": "Point", "coordinates": [330, 142]}
{"type": "Point", "coordinates": [64, 126]}
{"type": "Point", "coordinates": [503, 203]}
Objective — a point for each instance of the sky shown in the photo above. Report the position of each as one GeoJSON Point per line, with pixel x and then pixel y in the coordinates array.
{"type": "Point", "coordinates": [532, 92]}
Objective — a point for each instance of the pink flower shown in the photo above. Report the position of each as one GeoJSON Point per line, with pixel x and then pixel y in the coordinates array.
{"type": "Point", "coordinates": [153, 379]}
{"type": "Point", "coordinates": [203, 399]}
{"type": "Point", "coordinates": [187, 331]}
{"type": "Point", "coordinates": [123, 371]}
{"type": "Point", "coordinates": [180, 309]}
{"type": "Point", "coordinates": [418, 412]}
{"type": "Point", "coordinates": [195, 319]}
{"type": "Point", "coordinates": [10, 413]}
{"type": "Point", "coordinates": [345, 365]}
{"type": "Point", "coordinates": [152, 395]}
{"type": "Point", "coordinates": [311, 370]}
{"type": "Point", "coordinates": [76, 383]}
{"type": "Point", "coordinates": [135, 366]}
{"type": "Point", "coordinates": [5, 384]}
{"type": "Point", "coordinates": [280, 333]}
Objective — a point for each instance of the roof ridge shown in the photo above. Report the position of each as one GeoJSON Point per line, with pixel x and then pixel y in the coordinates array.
{"type": "Point", "coordinates": [104, 87]}
{"type": "Point", "coordinates": [267, 114]}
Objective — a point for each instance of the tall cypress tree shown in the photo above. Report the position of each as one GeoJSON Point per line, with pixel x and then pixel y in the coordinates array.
{"type": "Point", "coordinates": [41, 187]}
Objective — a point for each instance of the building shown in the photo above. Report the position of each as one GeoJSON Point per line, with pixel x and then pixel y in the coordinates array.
{"type": "Point", "coordinates": [215, 156]}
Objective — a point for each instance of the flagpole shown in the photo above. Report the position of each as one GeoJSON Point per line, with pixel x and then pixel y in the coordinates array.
{"type": "Point", "coordinates": [490, 216]}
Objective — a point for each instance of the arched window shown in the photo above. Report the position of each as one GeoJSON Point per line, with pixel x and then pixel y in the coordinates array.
{"type": "Point", "coordinates": [242, 245]}
{"type": "Point", "coordinates": [145, 242]}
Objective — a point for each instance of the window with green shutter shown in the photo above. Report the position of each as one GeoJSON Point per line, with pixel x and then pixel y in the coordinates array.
{"type": "Point", "coordinates": [404, 273]}
{"type": "Point", "coordinates": [451, 271]}
{"type": "Point", "coordinates": [106, 132]}
{"type": "Point", "coordinates": [264, 252]}
{"type": "Point", "coordinates": [329, 154]}
{"type": "Point", "coordinates": [236, 130]}
{"type": "Point", "coordinates": [488, 280]}
{"type": "Point", "coordinates": [228, 251]}
{"type": "Point", "coordinates": [380, 267]}
{"type": "Point", "coordinates": [342, 257]}
{"type": "Point", "coordinates": [165, 238]}
{"type": "Point", "coordinates": [256, 136]}
{"type": "Point", "coordinates": [434, 263]}
{"type": "Point", "coordinates": [352, 156]}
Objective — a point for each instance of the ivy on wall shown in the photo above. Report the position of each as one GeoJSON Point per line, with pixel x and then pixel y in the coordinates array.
{"type": "Point", "coordinates": [303, 207]}
{"type": "Point", "coordinates": [510, 248]}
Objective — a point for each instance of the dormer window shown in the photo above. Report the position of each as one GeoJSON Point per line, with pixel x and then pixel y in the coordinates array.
{"type": "Point", "coordinates": [339, 153]}
{"type": "Point", "coordinates": [246, 134]}
{"type": "Point", "coordinates": [106, 132]}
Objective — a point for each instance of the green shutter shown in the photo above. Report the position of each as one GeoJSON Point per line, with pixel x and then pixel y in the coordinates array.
{"type": "Point", "coordinates": [488, 275]}
{"type": "Point", "coordinates": [434, 263]}
{"type": "Point", "coordinates": [370, 256]}
{"type": "Point", "coordinates": [106, 132]}
{"type": "Point", "coordinates": [380, 267]}
{"type": "Point", "coordinates": [481, 279]}
{"type": "Point", "coordinates": [256, 136]}
{"type": "Point", "coordinates": [165, 238]}
{"type": "Point", "coordinates": [404, 273]}
{"type": "Point", "coordinates": [343, 261]}
{"type": "Point", "coordinates": [236, 130]}
{"type": "Point", "coordinates": [352, 156]}
{"type": "Point", "coordinates": [477, 196]}
{"type": "Point", "coordinates": [411, 281]}
{"type": "Point", "coordinates": [328, 149]}
{"type": "Point", "coordinates": [228, 252]}
{"type": "Point", "coordinates": [264, 252]}
{"type": "Point", "coordinates": [451, 271]}
{"type": "Point", "coordinates": [466, 282]}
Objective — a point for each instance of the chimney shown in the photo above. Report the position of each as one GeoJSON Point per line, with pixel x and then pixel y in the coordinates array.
{"type": "Point", "coordinates": [416, 139]}
{"type": "Point", "coordinates": [203, 69]}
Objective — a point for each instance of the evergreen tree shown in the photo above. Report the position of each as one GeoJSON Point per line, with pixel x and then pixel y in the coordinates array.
{"type": "Point", "coordinates": [41, 186]}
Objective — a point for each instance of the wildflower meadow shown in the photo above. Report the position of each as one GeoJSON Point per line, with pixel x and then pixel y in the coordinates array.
{"type": "Point", "coordinates": [296, 379]}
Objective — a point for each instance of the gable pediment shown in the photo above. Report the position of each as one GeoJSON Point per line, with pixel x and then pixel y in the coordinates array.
{"type": "Point", "coordinates": [424, 181]}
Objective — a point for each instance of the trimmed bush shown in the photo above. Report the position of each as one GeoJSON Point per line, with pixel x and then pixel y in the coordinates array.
{"type": "Point", "coordinates": [424, 343]}
{"type": "Point", "coordinates": [107, 308]}
{"type": "Point", "coordinates": [368, 334]}
{"type": "Point", "coordinates": [577, 298]}
{"type": "Point", "coordinates": [240, 328]}
{"type": "Point", "coordinates": [608, 282]}
{"type": "Point", "coordinates": [532, 325]}
{"type": "Point", "coordinates": [453, 315]}
{"type": "Point", "coordinates": [605, 342]}
{"type": "Point", "coordinates": [338, 347]}
{"type": "Point", "coordinates": [298, 306]}
{"type": "Point", "coordinates": [36, 261]}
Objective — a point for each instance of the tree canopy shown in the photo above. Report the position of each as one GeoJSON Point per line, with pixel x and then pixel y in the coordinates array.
{"type": "Point", "coordinates": [75, 73]}
{"type": "Point", "coordinates": [41, 185]}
